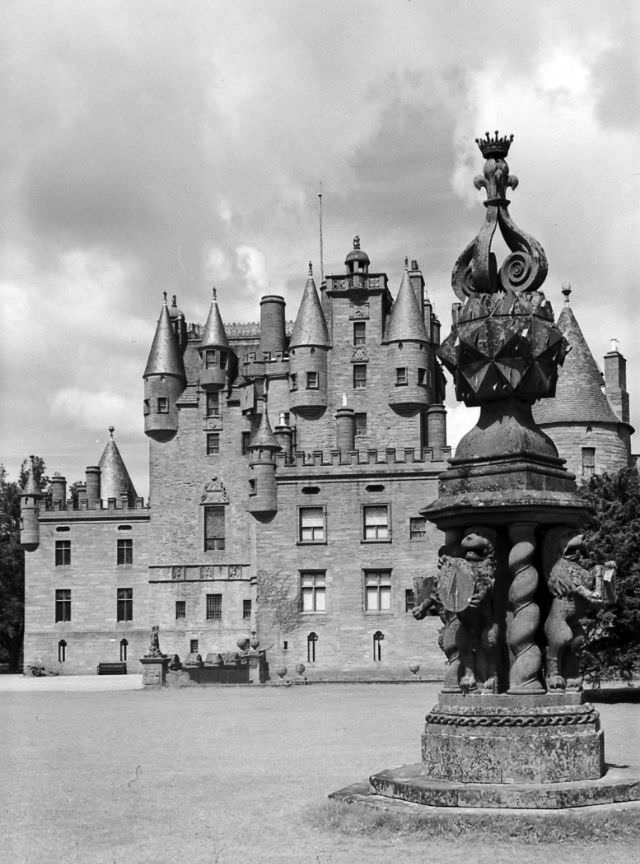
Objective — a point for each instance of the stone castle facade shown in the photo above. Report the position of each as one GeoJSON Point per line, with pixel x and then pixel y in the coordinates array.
{"type": "Point", "coordinates": [288, 464]}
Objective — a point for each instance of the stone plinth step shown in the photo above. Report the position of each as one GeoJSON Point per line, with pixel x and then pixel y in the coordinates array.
{"type": "Point", "coordinates": [410, 783]}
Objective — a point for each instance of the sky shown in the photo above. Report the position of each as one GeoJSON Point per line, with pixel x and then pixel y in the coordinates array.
{"type": "Point", "coordinates": [151, 146]}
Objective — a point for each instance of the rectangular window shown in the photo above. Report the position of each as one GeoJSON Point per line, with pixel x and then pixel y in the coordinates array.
{"type": "Point", "coordinates": [193, 646]}
{"type": "Point", "coordinates": [244, 443]}
{"type": "Point", "coordinates": [293, 381]}
{"type": "Point", "coordinates": [214, 607]}
{"type": "Point", "coordinates": [181, 609]}
{"type": "Point", "coordinates": [124, 604]}
{"type": "Point", "coordinates": [402, 376]}
{"type": "Point", "coordinates": [213, 403]}
{"type": "Point", "coordinates": [360, 423]}
{"type": "Point", "coordinates": [359, 333]}
{"type": "Point", "coordinates": [377, 590]}
{"type": "Point", "coordinates": [163, 405]}
{"type": "Point", "coordinates": [246, 608]}
{"type": "Point", "coordinates": [409, 599]}
{"type": "Point", "coordinates": [213, 528]}
{"type": "Point", "coordinates": [125, 552]}
{"type": "Point", "coordinates": [313, 590]}
{"type": "Point", "coordinates": [588, 462]}
{"type": "Point", "coordinates": [63, 553]}
{"type": "Point", "coordinates": [417, 528]}
{"type": "Point", "coordinates": [359, 376]}
{"type": "Point", "coordinates": [422, 377]}
{"type": "Point", "coordinates": [147, 408]}
{"type": "Point", "coordinates": [311, 525]}
{"type": "Point", "coordinates": [63, 604]}
{"type": "Point", "coordinates": [213, 443]}
{"type": "Point", "coordinates": [210, 358]}
{"type": "Point", "coordinates": [375, 520]}
{"type": "Point", "coordinates": [312, 380]}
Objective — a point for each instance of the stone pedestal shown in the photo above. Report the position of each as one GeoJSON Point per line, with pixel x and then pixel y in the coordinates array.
{"type": "Point", "coordinates": [545, 738]}
{"type": "Point", "coordinates": [154, 671]}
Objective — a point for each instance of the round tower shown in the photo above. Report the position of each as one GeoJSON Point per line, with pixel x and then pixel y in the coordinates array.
{"type": "Point", "coordinates": [263, 494]}
{"type": "Point", "coordinates": [164, 381]}
{"type": "Point", "coordinates": [308, 349]}
{"type": "Point", "coordinates": [214, 350]}
{"type": "Point", "coordinates": [408, 354]}
{"type": "Point", "coordinates": [30, 512]}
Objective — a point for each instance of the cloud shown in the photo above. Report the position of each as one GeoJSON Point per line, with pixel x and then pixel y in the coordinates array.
{"type": "Point", "coordinates": [252, 264]}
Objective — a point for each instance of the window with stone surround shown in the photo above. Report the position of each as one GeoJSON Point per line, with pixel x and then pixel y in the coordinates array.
{"type": "Point", "coordinates": [213, 443]}
{"type": "Point", "coordinates": [359, 376]}
{"type": "Point", "coordinates": [402, 376]}
{"type": "Point", "coordinates": [63, 604]}
{"type": "Point", "coordinates": [293, 381]}
{"type": "Point", "coordinates": [312, 639]}
{"type": "Point", "coordinates": [214, 528]}
{"type": "Point", "coordinates": [377, 646]}
{"type": "Point", "coordinates": [245, 440]}
{"type": "Point", "coordinates": [63, 553]}
{"type": "Point", "coordinates": [193, 646]}
{"type": "Point", "coordinates": [360, 419]}
{"type": "Point", "coordinates": [422, 377]}
{"type": "Point", "coordinates": [588, 462]}
{"type": "Point", "coordinates": [163, 405]}
{"type": "Point", "coordinates": [212, 403]}
{"type": "Point", "coordinates": [312, 525]}
{"type": "Point", "coordinates": [62, 651]}
{"type": "Point", "coordinates": [377, 590]}
{"type": "Point", "coordinates": [124, 645]}
{"type": "Point", "coordinates": [409, 599]}
{"type": "Point", "coordinates": [312, 380]}
{"type": "Point", "coordinates": [376, 523]}
{"type": "Point", "coordinates": [313, 589]}
{"type": "Point", "coordinates": [124, 604]}
{"type": "Point", "coordinates": [214, 607]}
{"type": "Point", "coordinates": [359, 333]}
{"type": "Point", "coordinates": [181, 609]}
{"type": "Point", "coordinates": [417, 528]}
{"type": "Point", "coordinates": [124, 555]}
{"type": "Point", "coordinates": [246, 609]}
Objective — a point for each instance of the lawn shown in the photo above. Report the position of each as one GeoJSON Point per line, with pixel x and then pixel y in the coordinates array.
{"type": "Point", "coordinates": [224, 775]}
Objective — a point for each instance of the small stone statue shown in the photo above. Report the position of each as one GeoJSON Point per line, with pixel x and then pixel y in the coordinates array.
{"type": "Point", "coordinates": [154, 644]}
{"type": "Point", "coordinates": [574, 591]}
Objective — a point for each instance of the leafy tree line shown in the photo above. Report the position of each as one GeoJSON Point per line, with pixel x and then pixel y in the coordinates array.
{"type": "Point", "coordinates": [612, 647]}
{"type": "Point", "coordinates": [12, 562]}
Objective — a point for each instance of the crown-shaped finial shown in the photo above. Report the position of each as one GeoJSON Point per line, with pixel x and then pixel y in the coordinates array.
{"type": "Point", "coordinates": [566, 290]}
{"type": "Point", "coordinates": [496, 147]}
{"type": "Point", "coordinates": [310, 268]}
{"type": "Point", "coordinates": [356, 242]}
{"type": "Point", "coordinates": [214, 293]}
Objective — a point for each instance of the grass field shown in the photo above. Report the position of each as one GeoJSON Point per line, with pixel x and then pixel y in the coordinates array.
{"type": "Point", "coordinates": [225, 775]}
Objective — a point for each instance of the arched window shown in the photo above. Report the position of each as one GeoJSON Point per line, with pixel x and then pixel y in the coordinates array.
{"type": "Point", "coordinates": [377, 646]}
{"type": "Point", "coordinates": [62, 651]}
{"type": "Point", "coordinates": [312, 638]}
{"type": "Point", "coordinates": [123, 650]}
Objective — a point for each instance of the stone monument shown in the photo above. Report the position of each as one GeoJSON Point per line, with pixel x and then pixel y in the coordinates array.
{"type": "Point", "coordinates": [154, 662]}
{"type": "Point", "coordinates": [510, 729]}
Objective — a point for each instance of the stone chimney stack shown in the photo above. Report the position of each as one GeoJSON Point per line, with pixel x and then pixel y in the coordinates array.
{"type": "Point", "coordinates": [615, 381]}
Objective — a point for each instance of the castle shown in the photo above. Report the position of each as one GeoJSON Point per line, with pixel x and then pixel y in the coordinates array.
{"type": "Point", "coordinates": [288, 466]}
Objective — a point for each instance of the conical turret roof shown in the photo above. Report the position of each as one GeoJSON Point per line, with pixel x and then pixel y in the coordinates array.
{"type": "Point", "coordinates": [165, 357]}
{"type": "Point", "coordinates": [213, 334]}
{"type": "Point", "coordinates": [264, 438]}
{"type": "Point", "coordinates": [406, 321]}
{"type": "Point", "coordinates": [579, 391]}
{"type": "Point", "coordinates": [310, 327]}
{"type": "Point", "coordinates": [31, 486]}
{"type": "Point", "coordinates": [114, 477]}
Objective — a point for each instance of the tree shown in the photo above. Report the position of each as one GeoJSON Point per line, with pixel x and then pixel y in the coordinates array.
{"type": "Point", "coordinates": [12, 562]}
{"type": "Point", "coordinates": [613, 642]}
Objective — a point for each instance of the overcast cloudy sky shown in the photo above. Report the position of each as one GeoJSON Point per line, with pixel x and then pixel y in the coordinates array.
{"type": "Point", "coordinates": [152, 146]}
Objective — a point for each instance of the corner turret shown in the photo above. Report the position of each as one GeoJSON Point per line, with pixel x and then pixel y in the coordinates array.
{"type": "Point", "coordinates": [214, 350]}
{"type": "Point", "coordinates": [115, 482]}
{"type": "Point", "coordinates": [29, 512]}
{"type": "Point", "coordinates": [408, 351]}
{"type": "Point", "coordinates": [308, 348]}
{"type": "Point", "coordinates": [263, 496]}
{"type": "Point", "coordinates": [164, 381]}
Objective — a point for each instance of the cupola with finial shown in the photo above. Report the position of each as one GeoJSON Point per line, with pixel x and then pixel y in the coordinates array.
{"type": "Point", "coordinates": [308, 349]}
{"type": "Point", "coordinates": [214, 350]}
{"type": "Point", "coordinates": [409, 356]}
{"type": "Point", "coordinates": [164, 380]}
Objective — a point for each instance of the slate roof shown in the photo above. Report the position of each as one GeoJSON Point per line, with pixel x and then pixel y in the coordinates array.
{"type": "Point", "coordinates": [114, 477]}
{"type": "Point", "coordinates": [310, 327]}
{"type": "Point", "coordinates": [406, 321]}
{"type": "Point", "coordinates": [165, 357]}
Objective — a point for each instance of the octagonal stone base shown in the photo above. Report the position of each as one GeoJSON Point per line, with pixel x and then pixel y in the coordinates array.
{"type": "Point", "coordinates": [541, 738]}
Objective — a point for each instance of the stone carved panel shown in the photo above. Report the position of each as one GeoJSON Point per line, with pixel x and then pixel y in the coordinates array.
{"type": "Point", "coordinates": [214, 493]}
{"type": "Point", "coordinates": [359, 312]}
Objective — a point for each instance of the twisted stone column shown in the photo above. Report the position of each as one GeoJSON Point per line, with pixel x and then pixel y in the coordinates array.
{"type": "Point", "coordinates": [526, 657]}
